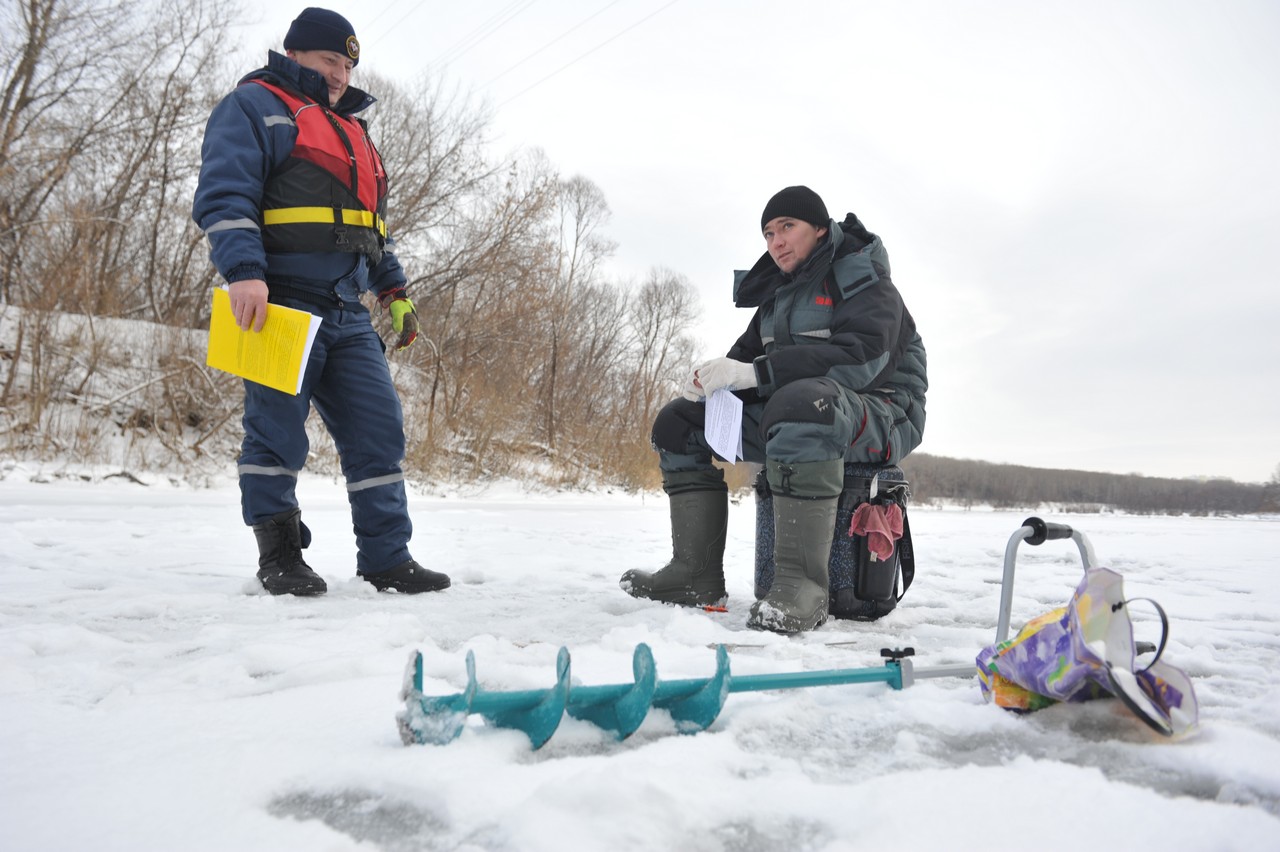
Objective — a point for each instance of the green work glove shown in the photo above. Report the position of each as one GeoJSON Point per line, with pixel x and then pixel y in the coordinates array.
{"type": "Point", "coordinates": [404, 319]}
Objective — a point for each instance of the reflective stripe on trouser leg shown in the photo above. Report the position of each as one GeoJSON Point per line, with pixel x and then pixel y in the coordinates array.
{"type": "Point", "coordinates": [380, 519]}
{"type": "Point", "coordinates": [263, 487]}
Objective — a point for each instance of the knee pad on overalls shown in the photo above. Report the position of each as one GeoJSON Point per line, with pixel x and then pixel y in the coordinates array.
{"type": "Point", "coordinates": [675, 425]}
{"type": "Point", "coordinates": [807, 421]}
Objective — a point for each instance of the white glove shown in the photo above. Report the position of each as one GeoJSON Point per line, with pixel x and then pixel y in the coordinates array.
{"type": "Point", "coordinates": [719, 373]}
{"type": "Point", "coordinates": [692, 392]}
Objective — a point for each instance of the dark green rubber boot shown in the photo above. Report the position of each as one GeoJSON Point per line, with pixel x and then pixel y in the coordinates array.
{"type": "Point", "coordinates": [699, 518]}
{"type": "Point", "coordinates": [804, 526]}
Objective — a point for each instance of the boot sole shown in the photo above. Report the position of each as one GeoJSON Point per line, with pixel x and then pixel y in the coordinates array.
{"type": "Point", "coordinates": [689, 601]}
{"type": "Point", "coordinates": [407, 588]}
{"type": "Point", "coordinates": [301, 592]}
{"type": "Point", "coordinates": [781, 624]}
{"type": "Point", "coordinates": [678, 596]}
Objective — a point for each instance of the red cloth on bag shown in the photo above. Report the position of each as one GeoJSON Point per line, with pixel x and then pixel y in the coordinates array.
{"type": "Point", "coordinates": [882, 526]}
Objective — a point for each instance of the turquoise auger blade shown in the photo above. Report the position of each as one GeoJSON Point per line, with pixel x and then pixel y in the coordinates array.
{"type": "Point", "coordinates": [537, 712]}
{"type": "Point", "coordinates": [438, 720]}
{"type": "Point", "coordinates": [694, 704]}
{"type": "Point", "coordinates": [620, 708]}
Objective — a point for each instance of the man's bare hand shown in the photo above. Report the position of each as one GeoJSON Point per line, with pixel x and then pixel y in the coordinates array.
{"type": "Point", "coordinates": [249, 303]}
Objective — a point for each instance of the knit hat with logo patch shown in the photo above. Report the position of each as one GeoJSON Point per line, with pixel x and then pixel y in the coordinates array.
{"type": "Point", "coordinates": [320, 29]}
{"type": "Point", "coordinates": [796, 202]}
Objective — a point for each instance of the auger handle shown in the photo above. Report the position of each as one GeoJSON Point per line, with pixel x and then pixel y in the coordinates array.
{"type": "Point", "coordinates": [1034, 531]}
{"type": "Point", "coordinates": [1042, 531]}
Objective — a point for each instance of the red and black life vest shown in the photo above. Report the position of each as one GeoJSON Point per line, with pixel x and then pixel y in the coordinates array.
{"type": "Point", "coordinates": [330, 194]}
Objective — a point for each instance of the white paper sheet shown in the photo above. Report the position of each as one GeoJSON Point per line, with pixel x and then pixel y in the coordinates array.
{"type": "Point", "coordinates": [724, 425]}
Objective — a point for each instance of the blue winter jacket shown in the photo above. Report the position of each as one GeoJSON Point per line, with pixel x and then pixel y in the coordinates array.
{"type": "Point", "coordinates": [249, 134]}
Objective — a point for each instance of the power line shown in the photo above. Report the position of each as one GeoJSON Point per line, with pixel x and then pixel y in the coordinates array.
{"type": "Point", "coordinates": [588, 53]}
{"type": "Point", "coordinates": [385, 9]}
{"type": "Point", "coordinates": [576, 26]}
{"type": "Point", "coordinates": [482, 32]}
{"type": "Point", "coordinates": [492, 24]}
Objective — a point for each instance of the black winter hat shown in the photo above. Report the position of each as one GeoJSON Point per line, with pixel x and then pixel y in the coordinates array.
{"type": "Point", "coordinates": [797, 202]}
{"type": "Point", "coordinates": [320, 29]}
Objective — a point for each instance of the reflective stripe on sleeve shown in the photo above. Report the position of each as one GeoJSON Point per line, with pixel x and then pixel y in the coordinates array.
{"type": "Point", "coordinates": [232, 225]}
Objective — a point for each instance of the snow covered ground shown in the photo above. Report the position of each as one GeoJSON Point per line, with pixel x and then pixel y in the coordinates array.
{"type": "Point", "coordinates": [152, 698]}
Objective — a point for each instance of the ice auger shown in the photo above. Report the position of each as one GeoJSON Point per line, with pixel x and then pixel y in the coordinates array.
{"type": "Point", "coordinates": [693, 703]}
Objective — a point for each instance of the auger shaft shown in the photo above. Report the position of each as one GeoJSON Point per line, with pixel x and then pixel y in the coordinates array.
{"type": "Point", "coordinates": [890, 674]}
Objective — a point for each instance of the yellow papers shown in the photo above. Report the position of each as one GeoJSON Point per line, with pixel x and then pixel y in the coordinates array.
{"type": "Point", "coordinates": [275, 357]}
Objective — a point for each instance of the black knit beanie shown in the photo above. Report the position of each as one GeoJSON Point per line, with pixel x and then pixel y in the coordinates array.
{"type": "Point", "coordinates": [797, 202]}
{"type": "Point", "coordinates": [320, 29]}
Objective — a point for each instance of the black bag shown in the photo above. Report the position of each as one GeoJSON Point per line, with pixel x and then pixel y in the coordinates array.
{"type": "Point", "coordinates": [862, 587]}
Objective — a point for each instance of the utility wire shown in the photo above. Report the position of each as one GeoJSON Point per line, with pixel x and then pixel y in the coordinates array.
{"type": "Point", "coordinates": [475, 36]}
{"type": "Point", "coordinates": [480, 33]}
{"type": "Point", "coordinates": [575, 27]}
{"type": "Point", "coordinates": [385, 9]}
{"type": "Point", "coordinates": [588, 53]}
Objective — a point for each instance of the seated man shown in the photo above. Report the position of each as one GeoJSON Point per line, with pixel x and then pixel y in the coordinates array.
{"type": "Point", "coordinates": [831, 369]}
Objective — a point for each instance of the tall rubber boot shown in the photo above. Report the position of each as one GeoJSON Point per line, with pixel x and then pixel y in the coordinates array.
{"type": "Point", "coordinates": [281, 567]}
{"type": "Point", "coordinates": [695, 574]}
{"type": "Point", "coordinates": [805, 499]}
{"type": "Point", "coordinates": [798, 599]}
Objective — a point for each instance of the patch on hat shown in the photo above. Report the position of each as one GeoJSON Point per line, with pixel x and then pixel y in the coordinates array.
{"type": "Point", "coordinates": [353, 48]}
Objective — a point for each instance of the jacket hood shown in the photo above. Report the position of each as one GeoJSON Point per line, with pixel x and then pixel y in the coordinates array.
{"type": "Point", "coordinates": [755, 286]}
{"type": "Point", "coordinates": [284, 72]}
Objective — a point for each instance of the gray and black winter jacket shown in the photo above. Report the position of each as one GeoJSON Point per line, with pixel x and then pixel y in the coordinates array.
{"type": "Point", "coordinates": [838, 315]}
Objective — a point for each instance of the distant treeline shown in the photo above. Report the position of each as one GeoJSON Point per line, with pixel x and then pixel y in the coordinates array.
{"type": "Point", "coordinates": [967, 482]}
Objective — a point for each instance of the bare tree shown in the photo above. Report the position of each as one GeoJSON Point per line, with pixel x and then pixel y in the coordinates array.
{"type": "Point", "coordinates": [84, 114]}
{"type": "Point", "coordinates": [55, 102]}
{"type": "Point", "coordinates": [529, 351]}
{"type": "Point", "coordinates": [575, 300]}
{"type": "Point", "coordinates": [98, 109]}
{"type": "Point", "coordinates": [658, 350]}
{"type": "Point", "coordinates": [432, 138]}
{"type": "Point", "coordinates": [663, 313]}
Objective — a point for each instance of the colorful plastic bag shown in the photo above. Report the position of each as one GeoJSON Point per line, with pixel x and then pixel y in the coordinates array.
{"type": "Point", "coordinates": [1083, 651]}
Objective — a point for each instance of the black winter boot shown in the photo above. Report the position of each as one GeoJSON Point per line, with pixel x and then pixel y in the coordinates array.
{"type": "Point", "coordinates": [695, 574]}
{"type": "Point", "coordinates": [408, 578]}
{"type": "Point", "coordinates": [281, 567]}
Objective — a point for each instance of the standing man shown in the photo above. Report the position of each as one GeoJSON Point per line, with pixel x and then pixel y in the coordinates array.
{"type": "Point", "coordinates": [291, 196]}
{"type": "Point", "coordinates": [831, 369]}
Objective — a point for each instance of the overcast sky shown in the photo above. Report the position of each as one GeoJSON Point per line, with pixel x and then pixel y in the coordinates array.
{"type": "Point", "coordinates": [1080, 200]}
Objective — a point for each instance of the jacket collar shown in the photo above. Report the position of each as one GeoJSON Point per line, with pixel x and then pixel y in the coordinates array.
{"type": "Point", "coordinates": [755, 286]}
{"type": "Point", "coordinates": [284, 71]}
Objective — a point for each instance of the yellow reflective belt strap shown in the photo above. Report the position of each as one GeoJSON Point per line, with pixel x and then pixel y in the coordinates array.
{"type": "Point", "coordinates": [323, 215]}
